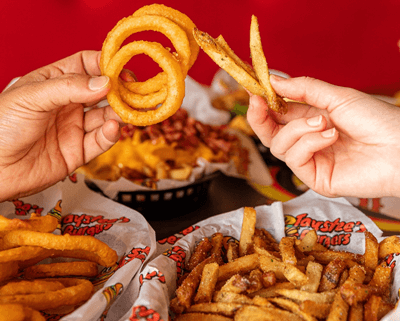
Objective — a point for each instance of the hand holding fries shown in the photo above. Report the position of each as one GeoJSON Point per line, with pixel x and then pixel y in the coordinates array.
{"type": "Point", "coordinates": [290, 280]}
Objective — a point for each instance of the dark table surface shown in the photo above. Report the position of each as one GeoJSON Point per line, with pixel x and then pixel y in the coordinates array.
{"type": "Point", "coordinates": [224, 194]}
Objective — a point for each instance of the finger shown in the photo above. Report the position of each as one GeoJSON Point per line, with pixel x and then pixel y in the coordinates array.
{"type": "Point", "coordinates": [259, 120]}
{"type": "Point", "coordinates": [71, 88]}
{"type": "Point", "coordinates": [84, 62]}
{"type": "Point", "coordinates": [310, 157]}
{"type": "Point", "coordinates": [100, 139]}
{"type": "Point", "coordinates": [293, 132]}
{"type": "Point", "coordinates": [312, 91]}
{"type": "Point", "coordinates": [96, 117]}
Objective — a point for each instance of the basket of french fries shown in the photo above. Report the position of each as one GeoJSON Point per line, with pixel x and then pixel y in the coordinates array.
{"type": "Point", "coordinates": [311, 258]}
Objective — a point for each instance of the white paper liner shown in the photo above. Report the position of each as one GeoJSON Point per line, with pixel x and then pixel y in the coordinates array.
{"type": "Point", "coordinates": [123, 229]}
{"type": "Point", "coordinates": [338, 220]}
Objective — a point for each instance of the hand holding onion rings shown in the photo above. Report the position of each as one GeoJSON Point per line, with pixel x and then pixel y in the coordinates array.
{"type": "Point", "coordinates": [137, 102]}
{"type": "Point", "coordinates": [256, 81]}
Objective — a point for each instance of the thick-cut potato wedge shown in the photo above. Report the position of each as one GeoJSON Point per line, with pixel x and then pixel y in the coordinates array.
{"type": "Point", "coordinates": [240, 265]}
{"type": "Point", "coordinates": [262, 302]}
{"type": "Point", "coordinates": [354, 293]}
{"type": "Point", "coordinates": [371, 251]}
{"type": "Point", "coordinates": [293, 307]}
{"type": "Point", "coordinates": [268, 279]}
{"type": "Point", "coordinates": [255, 281]}
{"type": "Point", "coordinates": [382, 278]}
{"type": "Point", "coordinates": [272, 264]}
{"type": "Point", "coordinates": [207, 283]}
{"type": "Point", "coordinates": [247, 232]}
{"type": "Point", "coordinates": [318, 310]}
{"type": "Point", "coordinates": [181, 174]}
{"type": "Point", "coordinates": [261, 68]}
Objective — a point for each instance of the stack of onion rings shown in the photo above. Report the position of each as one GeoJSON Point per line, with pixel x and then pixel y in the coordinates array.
{"type": "Point", "coordinates": [132, 100]}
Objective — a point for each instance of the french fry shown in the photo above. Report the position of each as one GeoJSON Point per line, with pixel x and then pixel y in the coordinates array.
{"type": "Point", "coordinates": [226, 309]}
{"type": "Point", "coordinates": [331, 274]}
{"type": "Point", "coordinates": [236, 284]}
{"type": "Point", "coordinates": [293, 307]}
{"type": "Point", "coordinates": [196, 316]}
{"type": "Point", "coordinates": [261, 68]}
{"type": "Point", "coordinates": [247, 232]}
{"type": "Point", "coordinates": [371, 251]}
{"type": "Point", "coordinates": [290, 280]}
{"type": "Point", "coordinates": [339, 309]}
{"type": "Point", "coordinates": [356, 312]}
{"type": "Point", "coordinates": [286, 248]}
{"type": "Point", "coordinates": [232, 253]}
{"type": "Point", "coordinates": [313, 273]}
{"type": "Point", "coordinates": [216, 250]}
{"type": "Point", "coordinates": [242, 264]}
{"type": "Point", "coordinates": [317, 310]}
{"type": "Point", "coordinates": [371, 308]}
{"type": "Point", "coordinates": [299, 296]}
{"type": "Point", "coordinates": [308, 242]}
{"type": "Point", "coordinates": [207, 283]}
{"type": "Point", "coordinates": [252, 312]}
{"type": "Point", "coordinates": [272, 290]}
{"type": "Point", "coordinates": [200, 253]}
{"type": "Point", "coordinates": [186, 291]}
{"type": "Point", "coordinates": [388, 246]}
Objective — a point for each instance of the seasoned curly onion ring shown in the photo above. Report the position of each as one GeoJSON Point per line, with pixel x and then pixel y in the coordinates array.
{"type": "Point", "coordinates": [136, 102]}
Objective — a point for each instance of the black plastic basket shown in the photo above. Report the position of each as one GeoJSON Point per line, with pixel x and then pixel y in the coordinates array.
{"type": "Point", "coordinates": [159, 204]}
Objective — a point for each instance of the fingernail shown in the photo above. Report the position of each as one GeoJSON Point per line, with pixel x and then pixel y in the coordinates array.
{"type": "Point", "coordinates": [274, 77]}
{"type": "Point", "coordinates": [314, 121]}
{"type": "Point", "coordinates": [97, 83]}
{"type": "Point", "coordinates": [329, 133]}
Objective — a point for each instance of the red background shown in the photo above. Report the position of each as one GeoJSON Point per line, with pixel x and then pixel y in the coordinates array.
{"type": "Point", "coordinates": [348, 43]}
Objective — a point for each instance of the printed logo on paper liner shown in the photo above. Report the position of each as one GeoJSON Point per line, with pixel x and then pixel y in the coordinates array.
{"type": "Point", "coordinates": [154, 275]}
{"type": "Point", "coordinates": [330, 233]}
{"type": "Point", "coordinates": [177, 254]}
{"type": "Point", "coordinates": [176, 237]}
{"type": "Point", "coordinates": [141, 313]}
{"type": "Point", "coordinates": [84, 224]}
{"type": "Point", "coordinates": [24, 209]}
{"type": "Point", "coordinates": [135, 253]}
{"type": "Point", "coordinates": [111, 293]}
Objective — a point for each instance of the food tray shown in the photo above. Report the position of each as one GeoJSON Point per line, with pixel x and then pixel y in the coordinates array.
{"type": "Point", "coordinates": [157, 204]}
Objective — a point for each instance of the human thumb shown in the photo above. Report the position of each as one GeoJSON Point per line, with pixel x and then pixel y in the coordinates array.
{"type": "Point", "coordinates": [69, 88]}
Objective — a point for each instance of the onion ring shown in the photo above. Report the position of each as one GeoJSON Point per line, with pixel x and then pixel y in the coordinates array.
{"type": "Point", "coordinates": [31, 286]}
{"type": "Point", "coordinates": [18, 312]}
{"type": "Point", "coordinates": [8, 270]}
{"type": "Point", "coordinates": [105, 255]}
{"type": "Point", "coordinates": [175, 84]}
{"type": "Point", "coordinates": [134, 24]}
{"type": "Point", "coordinates": [36, 222]}
{"type": "Point", "coordinates": [76, 291]}
{"type": "Point", "coordinates": [87, 269]}
{"type": "Point", "coordinates": [22, 253]}
{"type": "Point", "coordinates": [133, 95]}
